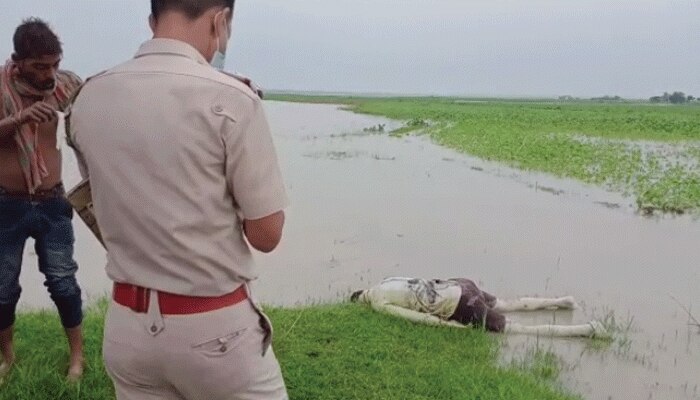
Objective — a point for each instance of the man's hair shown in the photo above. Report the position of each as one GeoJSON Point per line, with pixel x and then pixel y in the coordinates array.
{"type": "Point", "coordinates": [356, 296]}
{"type": "Point", "coordinates": [192, 8]}
{"type": "Point", "coordinates": [33, 39]}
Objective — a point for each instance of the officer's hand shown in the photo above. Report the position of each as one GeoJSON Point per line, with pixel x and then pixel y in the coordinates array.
{"type": "Point", "coordinates": [39, 112]}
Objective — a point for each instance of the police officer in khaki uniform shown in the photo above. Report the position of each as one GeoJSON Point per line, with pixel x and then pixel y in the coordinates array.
{"type": "Point", "coordinates": [182, 167]}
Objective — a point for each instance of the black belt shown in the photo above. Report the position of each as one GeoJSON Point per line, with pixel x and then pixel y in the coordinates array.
{"type": "Point", "coordinates": [45, 194]}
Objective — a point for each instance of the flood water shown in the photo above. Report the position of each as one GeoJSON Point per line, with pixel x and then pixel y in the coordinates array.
{"type": "Point", "coordinates": [367, 206]}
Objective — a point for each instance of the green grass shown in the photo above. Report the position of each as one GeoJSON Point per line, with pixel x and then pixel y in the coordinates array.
{"type": "Point", "coordinates": [650, 152]}
{"type": "Point", "coordinates": [340, 351]}
{"type": "Point", "coordinates": [544, 364]}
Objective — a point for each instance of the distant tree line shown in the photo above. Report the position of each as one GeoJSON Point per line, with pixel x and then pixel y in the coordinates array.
{"type": "Point", "coordinates": [607, 98]}
{"type": "Point", "coordinates": [604, 98]}
{"type": "Point", "coordinates": [674, 98]}
{"type": "Point", "coordinates": [670, 98]}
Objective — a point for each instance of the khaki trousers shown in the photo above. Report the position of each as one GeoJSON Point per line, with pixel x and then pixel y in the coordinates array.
{"type": "Point", "coordinates": [218, 355]}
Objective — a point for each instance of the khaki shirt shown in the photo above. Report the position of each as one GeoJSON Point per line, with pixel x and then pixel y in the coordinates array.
{"type": "Point", "coordinates": [176, 153]}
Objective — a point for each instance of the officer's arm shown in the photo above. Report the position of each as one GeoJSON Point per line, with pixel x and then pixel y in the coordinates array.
{"type": "Point", "coordinates": [254, 175]}
{"type": "Point", "coordinates": [265, 234]}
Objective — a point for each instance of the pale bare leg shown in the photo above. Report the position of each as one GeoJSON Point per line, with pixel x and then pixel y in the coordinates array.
{"type": "Point", "coordinates": [535, 303]}
{"type": "Point", "coordinates": [7, 350]}
{"type": "Point", "coordinates": [75, 342]}
{"type": "Point", "coordinates": [593, 329]}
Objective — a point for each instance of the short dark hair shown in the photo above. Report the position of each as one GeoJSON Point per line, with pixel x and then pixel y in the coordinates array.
{"type": "Point", "coordinates": [192, 8]}
{"type": "Point", "coordinates": [33, 39]}
{"type": "Point", "coordinates": [356, 296]}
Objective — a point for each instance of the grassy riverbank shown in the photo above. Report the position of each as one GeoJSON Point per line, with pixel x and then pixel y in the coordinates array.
{"type": "Point", "coordinates": [649, 152]}
{"type": "Point", "coordinates": [327, 352]}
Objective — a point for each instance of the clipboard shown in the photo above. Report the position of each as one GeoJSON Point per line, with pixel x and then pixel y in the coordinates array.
{"type": "Point", "coordinates": [80, 197]}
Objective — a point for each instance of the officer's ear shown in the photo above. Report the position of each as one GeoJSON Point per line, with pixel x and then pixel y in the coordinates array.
{"type": "Point", "coordinates": [221, 18]}
{"type": "Point", "coordinates": [152, 23]}
{"type": "Point", "coordinates": [228, 14]}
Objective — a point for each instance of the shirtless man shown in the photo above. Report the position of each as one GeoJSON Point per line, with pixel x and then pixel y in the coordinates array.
{"type": "Point", "coordinates": [32, 201]}
{"type": "Point", "coordinates": [460, 303]}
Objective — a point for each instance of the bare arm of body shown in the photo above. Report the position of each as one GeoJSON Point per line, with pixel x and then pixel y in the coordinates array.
{"type": "Point", "coordinates": [264, 234]}
{"type": "Point", "coordinates": [415, 316]}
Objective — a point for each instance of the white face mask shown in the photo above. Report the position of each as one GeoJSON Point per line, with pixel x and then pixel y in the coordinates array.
{"type": "Point", "coordinates": [219, 59]}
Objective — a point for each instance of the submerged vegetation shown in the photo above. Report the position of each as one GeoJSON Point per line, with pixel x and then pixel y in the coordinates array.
{"type": "Point", "coordinates": [649, 152]}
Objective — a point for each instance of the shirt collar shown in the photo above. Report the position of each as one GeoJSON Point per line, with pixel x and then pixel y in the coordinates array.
{"type": "Point", "coordinates": [172, 47]}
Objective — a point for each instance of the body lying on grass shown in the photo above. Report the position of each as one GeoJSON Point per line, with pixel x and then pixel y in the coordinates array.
{"type": "Point", "coordinates": [460, 303]}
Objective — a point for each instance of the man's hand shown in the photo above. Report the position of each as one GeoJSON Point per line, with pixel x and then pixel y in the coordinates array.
{"type": "Point", "coordinates": [39, 112]}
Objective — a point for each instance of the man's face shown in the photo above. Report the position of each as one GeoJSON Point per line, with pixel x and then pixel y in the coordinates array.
{"type": "Point", "coordinates": [40, 73]}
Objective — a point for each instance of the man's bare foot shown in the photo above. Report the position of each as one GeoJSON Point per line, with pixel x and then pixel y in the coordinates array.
{"type": "Point", "coordinates": [75, 370]}
{"type": "Point", "coordinates": [600, 331]}
{"type": "Point", "coordinates": [566, 303]}
{"type": "Point", "coordinates": [7, 350]}
{"type": "Point", "coordinates": [5, 367]}
{"type": "Point", "coordinates": [75, 342]}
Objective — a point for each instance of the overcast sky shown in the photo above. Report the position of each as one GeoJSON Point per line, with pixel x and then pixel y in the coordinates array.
{"type": "Point", "coordinates": [632, 48]}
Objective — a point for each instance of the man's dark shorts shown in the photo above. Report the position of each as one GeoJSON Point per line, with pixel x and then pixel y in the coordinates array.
{"type": "Point", "coordinates": [475, 307]}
